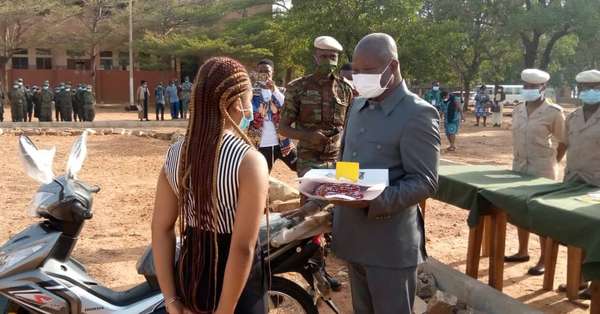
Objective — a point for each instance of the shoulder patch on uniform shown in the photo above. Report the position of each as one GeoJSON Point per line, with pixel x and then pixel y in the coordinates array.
{"type": "Point", "coordinates": [298, 80]}
{"type": "Point", "coordinates": [555, 106]}
{"type": "Point", "coordinates": [347, 81]}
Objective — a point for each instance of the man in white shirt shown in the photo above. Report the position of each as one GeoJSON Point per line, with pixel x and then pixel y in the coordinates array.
{"type": "Point", "coordinates": [267, 102]}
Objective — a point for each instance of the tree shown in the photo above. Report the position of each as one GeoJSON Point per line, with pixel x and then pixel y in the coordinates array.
{"type": "Point", "coordinates": [540, 24]}
{"type": "Point", "coordinates": [21, 23]}
{"type": "Point", "coordinates": [469, 35]}
{"type": "Point", "coordinates": [101, 23]}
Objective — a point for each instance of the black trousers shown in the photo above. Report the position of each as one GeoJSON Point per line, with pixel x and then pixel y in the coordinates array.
{"type": "Point", "coordinates": [146, 109]}
{"type": "Point", "coordinates": [274, 152]}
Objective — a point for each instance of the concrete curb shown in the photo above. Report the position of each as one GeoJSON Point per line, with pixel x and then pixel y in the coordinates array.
{"type": "Point", "coordinates": [126, 124]}
{"type": "Point", "coordinates": [476, 294]}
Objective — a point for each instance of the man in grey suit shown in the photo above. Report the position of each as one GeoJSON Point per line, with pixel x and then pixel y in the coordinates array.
{"type": "Point", "coordinates": [389, 127]}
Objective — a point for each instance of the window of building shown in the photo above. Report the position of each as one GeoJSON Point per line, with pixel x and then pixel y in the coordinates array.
{"type": "Point", "coordinates": [123, 60]}
{"type": "Point", "coordinates": [43, 59]}
{"type": "Point", "coordinates": [20, 59]}
{"type": "Point", "coordinates": [106, 60]}
{"type": "Point", "coordinates": [76, 60]}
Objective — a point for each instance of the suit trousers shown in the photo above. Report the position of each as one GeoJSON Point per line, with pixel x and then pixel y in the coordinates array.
{"type": "Point", "coordinates": [378, 290]}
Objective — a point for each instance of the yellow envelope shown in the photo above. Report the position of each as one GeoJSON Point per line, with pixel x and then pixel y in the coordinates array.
{"type": "Point", "coordinates": [347, 170]}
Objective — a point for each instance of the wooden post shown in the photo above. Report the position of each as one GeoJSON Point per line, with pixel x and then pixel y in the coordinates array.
{"type": "Point", "coordinates": [595, 308]}
{"type": "Point", "coordinates": [499, 221]}
{"type": "Point", "coordinates": [488, 230]}
{"type": "Point", "coordinates": [550, 263]}
{"type": "Point", "coordinates": [473, 250]}
{"type": "Point", "coordinates": [574, 260]}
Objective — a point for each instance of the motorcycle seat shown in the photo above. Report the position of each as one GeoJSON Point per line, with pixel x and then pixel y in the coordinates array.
{"type": "Point", "coordinates": [124, 298]}
{"type": "Point", "coordinates": [145, 265]}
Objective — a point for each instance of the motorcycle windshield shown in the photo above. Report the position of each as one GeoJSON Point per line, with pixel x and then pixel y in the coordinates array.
{"type": "Point", "coordinates": [37, 162]}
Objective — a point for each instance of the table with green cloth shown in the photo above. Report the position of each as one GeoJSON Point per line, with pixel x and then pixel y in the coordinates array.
{"type": "Point", "coordinates": [479, 188]}
{"type": "Point", "coordinates": [571, 218]}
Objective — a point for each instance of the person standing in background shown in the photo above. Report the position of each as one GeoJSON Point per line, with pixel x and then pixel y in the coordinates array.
{"type": "Point", "coordinates": [498, 106]}
{"type": "Point", "coordinates": [159, 96]}
{"type": "Point", "coordinates": [57, 104]}
{"type": "Point", "coordinates": [173, 99]}
{"type": "Point", "coordinates": [536, 124]}
{"type": "Point", "coordinates": [29, 101]}
{"type": "Point", "coordinates": [186, 94]}
{"type": "Point", "coordinates": [482, 100]}
{"type": "Point", "coordinates": [267, 102]}
{"type": "Point", "coordinates": [17, 102]}
{"type": "Point", "coordinates": [453, 118]}
{"type": "Point", "coordinates": [1, 102]}
{"type": "Point", "coordinates": [46, 101]}
{"type": "Point", "coordinates": [143, 96]}
{"type": "Point", "coordinates": [64, 102]}
{"type": "Point", "coordinates": [434, 97]}
{"type": "Point", "coordinates": [89, 113]}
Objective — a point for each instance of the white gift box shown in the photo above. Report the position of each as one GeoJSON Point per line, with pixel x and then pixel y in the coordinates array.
{"type": "Point", "coordinates": [373, 182]}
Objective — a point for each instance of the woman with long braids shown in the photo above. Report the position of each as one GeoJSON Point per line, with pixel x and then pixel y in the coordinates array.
{"type": "Point", "coordinates": [216, 185]}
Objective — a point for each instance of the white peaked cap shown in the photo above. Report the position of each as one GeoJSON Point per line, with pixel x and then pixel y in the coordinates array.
{"type": "Point", "coordinates": [328, 43]}
{"type": "Point", "coordinates": [591, 76]}
{"type": "Point", "coordinates": [535, 76]}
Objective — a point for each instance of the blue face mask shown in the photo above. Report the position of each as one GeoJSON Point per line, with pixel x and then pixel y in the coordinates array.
{"type": "Point", "coordinates": [245, 123]}
{"type": "Point", "coordinates": [590, 96]}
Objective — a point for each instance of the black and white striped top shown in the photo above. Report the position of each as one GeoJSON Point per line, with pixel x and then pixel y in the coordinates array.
{"type": "Point", "coordinates": [233, 151]}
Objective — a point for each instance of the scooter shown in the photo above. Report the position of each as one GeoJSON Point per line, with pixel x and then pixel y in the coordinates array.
{"type": "Point", "coordinates": [39, 275]}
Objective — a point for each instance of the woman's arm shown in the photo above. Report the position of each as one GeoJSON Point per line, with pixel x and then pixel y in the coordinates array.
{"type": "Point", "coordinates": [163, 238]}
{"type": "Point", "coordinates": [254, 186]}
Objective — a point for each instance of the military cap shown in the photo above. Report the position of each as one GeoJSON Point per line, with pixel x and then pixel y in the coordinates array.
{"type": "Point", "coordinates": [591, 76]}
{"type": "Point", "coordinates": [20, 80]}
{"type": "Point", "coordinates": [328, 43]}
{"type": "Point", "coordinates": [535, 76]}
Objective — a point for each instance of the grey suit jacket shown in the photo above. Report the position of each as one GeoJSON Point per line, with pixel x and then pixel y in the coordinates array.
{"type": "Point", "coordinates": [400, 134]}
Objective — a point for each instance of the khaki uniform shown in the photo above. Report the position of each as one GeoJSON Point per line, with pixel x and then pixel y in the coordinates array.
{"type": "Point", "coordinates": [532, 139]}
{"type": "Point", "coordinates": [583, 148]}
{"type": "Point", "coordinates": [318, 105]}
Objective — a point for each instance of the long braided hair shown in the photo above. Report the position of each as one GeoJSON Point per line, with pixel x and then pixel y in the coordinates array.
{"type": "Point", "coordinates": [220, 83]}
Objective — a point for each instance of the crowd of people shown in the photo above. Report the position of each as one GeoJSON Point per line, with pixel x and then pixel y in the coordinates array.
{"type": "Point", "coordinates": [365, 113]}
{"type": "Point", "coordinates": [68, 103]}
{"type": "Point", "coordinates": [174, 96]}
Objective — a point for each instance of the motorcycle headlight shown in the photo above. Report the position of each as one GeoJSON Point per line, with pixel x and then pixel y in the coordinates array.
{"type": "Point", "coordinates": [39, 202]}
{"type": "Point", "coordinates": [9, 259]}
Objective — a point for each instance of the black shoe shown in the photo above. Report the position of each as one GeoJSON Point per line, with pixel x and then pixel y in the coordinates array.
{"type": "Point", "coordinates": [536, 271]}
{"type": "Point", "coordinates": [516, 259]}
{"type": "Point", "coordinates": [586, 294]}
{"type": "Point", "coordinates": [563, 287]}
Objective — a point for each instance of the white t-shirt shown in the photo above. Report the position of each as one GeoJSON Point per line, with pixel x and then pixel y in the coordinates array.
{"type": "Point", "coordinates": [269, 132]}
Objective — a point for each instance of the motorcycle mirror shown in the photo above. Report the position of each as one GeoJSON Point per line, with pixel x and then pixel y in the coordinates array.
{"type": "Point", "coordinates": [77, 156]}
{"type": "Point", "coordinates": [37, 163]}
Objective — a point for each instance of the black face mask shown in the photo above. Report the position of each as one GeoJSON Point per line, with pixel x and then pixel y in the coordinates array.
{"type": "Point", "coordinates": [325, 66]}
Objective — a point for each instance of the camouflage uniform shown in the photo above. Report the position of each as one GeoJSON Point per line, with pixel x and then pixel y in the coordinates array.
{"type": "Point", "coordinates": [186, 94]}
{"type": "Point", "coordinates": [65, 105]}
{"type": "Point", "coordinates": [18, 103]}
{"type": "Point", "coordinates": [318, 105]}
{"type": "Point", "coordinates": [46, 99]}
{"type": "Point", "coordinates": [76, 101]}
{"type": "Point", "coordinates": [88, 106]}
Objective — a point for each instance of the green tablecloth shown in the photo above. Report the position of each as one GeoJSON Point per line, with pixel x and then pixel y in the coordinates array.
{"type": "Point", "coordinates": [478, 188]}
{"type": "Point", "coordinates": [571, 221]}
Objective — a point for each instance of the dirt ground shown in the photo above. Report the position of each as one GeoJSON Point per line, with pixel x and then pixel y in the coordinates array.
{"type": "Point", "coordinates": [126, 169]}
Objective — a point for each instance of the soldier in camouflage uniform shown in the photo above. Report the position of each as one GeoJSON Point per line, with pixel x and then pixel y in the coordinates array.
{"type": "Point", "coordinates": [17, 102]}
{"type": "Point", "coordinates": [46, 100]}
{"type": "Point", "coordinates": [88, 102]}
{"type": "Point", "coordinates": [29, 104]}
{"type": "Point", "coordinates": [317, 105]}
{"type": "Point", "coordinates": [76, 100]}
{"type": "Point", "coordinates": [57, 104]}
{"type": "Point", "coordinates": [186, 94]}
{"type": "Point", "coordinates": [64, 103]}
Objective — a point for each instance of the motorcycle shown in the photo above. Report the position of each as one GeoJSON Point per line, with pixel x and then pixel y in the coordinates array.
{"type": "Point", "coordinates": [39, 275]}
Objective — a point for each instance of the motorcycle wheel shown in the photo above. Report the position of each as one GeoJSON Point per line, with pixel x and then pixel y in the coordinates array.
{"type": "Point", "coordinates": [285, 296]}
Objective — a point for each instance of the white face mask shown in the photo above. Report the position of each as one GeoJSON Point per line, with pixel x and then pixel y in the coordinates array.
{"type": "Point", "coordinates": [369, 85]}
{"type": "Point", "coordinates": [266, 94]}
{"type": "Point", "coordinates": [531, 94]}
